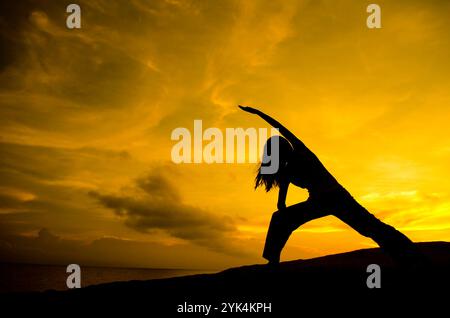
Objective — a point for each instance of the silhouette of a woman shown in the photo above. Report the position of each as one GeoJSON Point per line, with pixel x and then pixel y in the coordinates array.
{"type": "Point", "coordinates": [300, 166]}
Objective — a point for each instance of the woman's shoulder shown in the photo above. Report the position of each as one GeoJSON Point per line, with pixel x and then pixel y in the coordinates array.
{"type": "Point", "coordinates": [302, 150]}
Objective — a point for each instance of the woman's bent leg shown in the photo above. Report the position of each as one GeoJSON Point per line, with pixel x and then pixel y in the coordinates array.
{"type": "Point", "coordinates": [283, 223]}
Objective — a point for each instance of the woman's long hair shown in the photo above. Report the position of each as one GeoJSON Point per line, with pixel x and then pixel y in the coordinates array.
{"type": "Point", "coordinates": [270, 181]}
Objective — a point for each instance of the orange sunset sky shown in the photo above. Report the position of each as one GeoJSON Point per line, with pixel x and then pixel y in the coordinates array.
{"type": "Point", "coordinates": [86, 116]}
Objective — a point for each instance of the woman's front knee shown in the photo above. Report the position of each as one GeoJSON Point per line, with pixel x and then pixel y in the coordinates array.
{"type": "Point", "coordinates": [277, 216]}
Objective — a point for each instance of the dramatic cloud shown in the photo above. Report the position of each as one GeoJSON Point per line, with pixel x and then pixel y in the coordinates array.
{"type": "Point", "coordinates": [161, 208]}
{"type": "Point", "coordinates": [44, 247]}
{"type": "Point", "coordinates": [48, 187]}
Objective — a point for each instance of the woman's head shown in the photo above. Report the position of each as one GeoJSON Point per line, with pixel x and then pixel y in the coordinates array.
{"type": "Point", "coordinates": [284, 154]}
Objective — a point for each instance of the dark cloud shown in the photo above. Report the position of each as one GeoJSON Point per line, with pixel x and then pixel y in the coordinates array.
{"type": "Point", "coordinates": [158, 187]}
{"type": "Point", "coordinates": [48, 186]}
{"type": "Point", "coordinates": [47, 248]}
{"type": "Point", "coordinates": [159, 207]}
{"type": "Point", "coordinates": [13, 19]}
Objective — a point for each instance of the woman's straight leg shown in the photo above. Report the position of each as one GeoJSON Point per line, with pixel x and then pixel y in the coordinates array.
{"type": "Point", "coordinates": [395, 243]}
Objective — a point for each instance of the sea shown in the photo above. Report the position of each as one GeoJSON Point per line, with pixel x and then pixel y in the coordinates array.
{"type": "Point", "coordinates": [32, 277]}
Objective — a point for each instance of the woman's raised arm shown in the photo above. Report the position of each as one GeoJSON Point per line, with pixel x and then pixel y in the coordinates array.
{"type": "Point", "coordinates": [274, 123]}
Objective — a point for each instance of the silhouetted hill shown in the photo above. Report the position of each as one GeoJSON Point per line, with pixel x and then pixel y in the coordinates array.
{"type": "Point", "coordinates": [334, 280]}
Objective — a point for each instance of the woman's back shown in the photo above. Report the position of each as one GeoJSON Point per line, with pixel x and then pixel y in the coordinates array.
{"type": "Point", "coordinates": [307, 171]}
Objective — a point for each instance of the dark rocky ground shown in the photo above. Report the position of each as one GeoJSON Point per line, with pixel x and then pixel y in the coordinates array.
{"type": "Point", "coordinates": [326, 285]}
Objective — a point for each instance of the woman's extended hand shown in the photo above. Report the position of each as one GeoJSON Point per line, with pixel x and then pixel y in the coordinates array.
{"type": "Point", "coordinates": [248, 109]}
